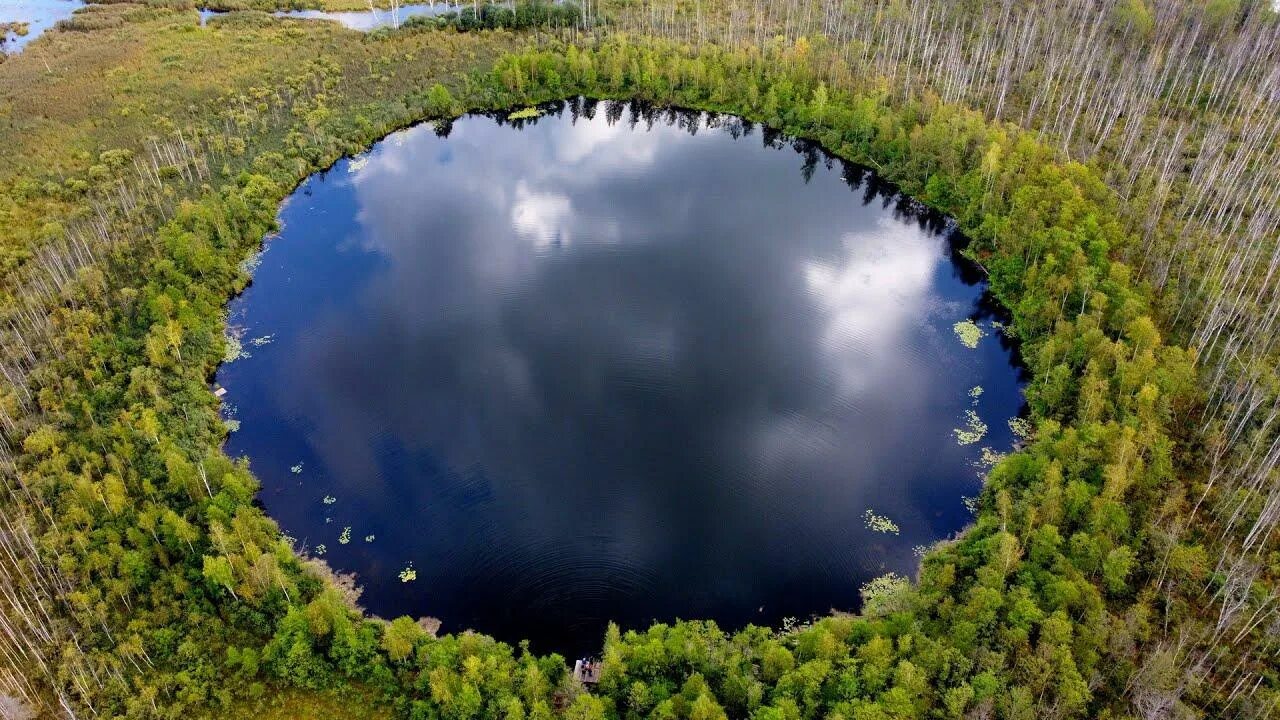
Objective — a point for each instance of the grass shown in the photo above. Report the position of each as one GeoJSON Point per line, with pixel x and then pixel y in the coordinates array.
{"type": "Point", "coordinates": [348, 703]}
{"type": "Point", "coordinates": [71, 96]}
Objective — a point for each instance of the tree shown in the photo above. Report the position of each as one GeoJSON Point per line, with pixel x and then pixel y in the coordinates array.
{"type": "Point", "coordinates": [217, 569]}
{"type": "Point", "coordinates": [440, 102]}
{"type": "Point", "coordinates": [400, 636]}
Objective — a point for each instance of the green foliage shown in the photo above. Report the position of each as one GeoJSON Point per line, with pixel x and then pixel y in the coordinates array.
{"type": "Point", "coordinates": [440, 101]}
{"type": "Point", "coordinates": [1011, 606]}
{"type": "Point", "coordinates": [400, 637]}
{"type": "Point", "coordinates": [1221, 14]}
{"type": "Point", "coordinates": [1035, 612]}
{"type": "Point", "coordinates": [1133, 17]}
{"type": "Point", "coordinates": [886, 595]}
{"type": "Point", "coordinates": [494, 16]}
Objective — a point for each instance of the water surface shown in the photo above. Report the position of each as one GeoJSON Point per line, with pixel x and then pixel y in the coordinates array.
{"type": "Point", "coordinates": [40, 15]}
{"type": "Point", "coordinates": [609, 366]}
{"type": "Point", "coordinates": [362, 20]}
{"type": "Point", "coordinates": [366, 20]}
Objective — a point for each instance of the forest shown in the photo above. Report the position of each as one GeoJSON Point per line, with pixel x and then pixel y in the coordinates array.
{"type": "Point", "coordinates": [1114, 164]}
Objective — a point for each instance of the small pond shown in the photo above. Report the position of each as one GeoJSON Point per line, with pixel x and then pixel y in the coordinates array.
{"type": "Point", "coordinates": [362, 20]}
{"type": "Point", "coordinates": [38, 15]}
{"type": "Point", "coordinates": [615, 363]}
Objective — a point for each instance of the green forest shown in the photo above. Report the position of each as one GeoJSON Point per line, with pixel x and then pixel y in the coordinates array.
{"type": "Point", "coordinates": [1115, 164]}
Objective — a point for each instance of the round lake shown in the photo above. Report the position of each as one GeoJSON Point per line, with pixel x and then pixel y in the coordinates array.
{"type": "Point", "coordinates": [613, 364]}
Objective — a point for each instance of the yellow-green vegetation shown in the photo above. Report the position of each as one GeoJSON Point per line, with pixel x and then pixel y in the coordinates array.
{"type": "Point", "coordinates": [285, 703]}
{"type": "Point", "coordinates": [968, 332]}
{"type": "Point", "coordinates": [1021, 428]}
{"type": "Point", "coordinates": [82, 110]}
{"type": "Point", "coordinates": [885, 595]}
{"type": "Point", "coordinates": [1114, 569]}
{"type": "Point", "coordinates": [879, 523]}
{"type": "Point", "coordinates": [17, 28]}
{"type": "Point", "coordinates": [973, 431]}
{"type": "Point", "coordinates": [524, 114]}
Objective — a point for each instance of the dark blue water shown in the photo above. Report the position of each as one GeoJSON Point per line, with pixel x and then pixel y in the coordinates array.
{"type": "Point", "coordinates": [606, 366]}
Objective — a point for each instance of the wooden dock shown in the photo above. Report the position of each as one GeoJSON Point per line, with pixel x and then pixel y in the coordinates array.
{"type": "Point", "coordinates": [586, 672]}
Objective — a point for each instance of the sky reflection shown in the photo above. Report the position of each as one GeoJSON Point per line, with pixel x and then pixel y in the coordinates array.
{"type": "Point", "coordinates": [605, 367]}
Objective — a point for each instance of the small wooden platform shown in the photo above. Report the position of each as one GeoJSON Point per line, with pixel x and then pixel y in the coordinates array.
{"type": "Point", "coordinates": [586, 672]}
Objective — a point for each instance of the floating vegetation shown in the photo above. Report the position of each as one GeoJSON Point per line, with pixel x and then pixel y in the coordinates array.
{"type": "Point", "coordinates": [975, 392]}
{"type": "Point", "coordinates": [970, 504]}
{"type": "Point", "coordinates": [408, 574]}
{"type": "Point", "coordinates": [969, 333]}
{"type": "Point", "coordinates": [320, 549]}
{"type": "Point", "coordinates": [234, 350]}
{"type": "Point", "coordinates": [975, 431]}
{"type": "Point", "coordinates": [999, 327]}
{"type": "Point", "coordinates": [368, 538]}
{"type": "Point", "coordinates": [920, 550]}
{"type": "Point", "coordinates": [264, 340]}
{"type": "Point", "coordinates": [19, 28]}
{"type": "Point", "coordinates": [526, 114]}
{"type": "Point", "coordinates": [1021, 428]}
{"type": "Point", "coordinates": [357, 164]}
{"type": "Point", "coordinates": [990, 457]}
{"type": "Point", "coordinates": [251, 263]}
{"type": "Point", "coordinates": [880, 523]}
{"type": "Point", "coordinates": [329, 500]}
{"type": "Point", "coordinates": [231, 424]}
{"type": "Point", "coordinates": [345, 537]}
{"type": "Point", "coordinates": [296, 469]}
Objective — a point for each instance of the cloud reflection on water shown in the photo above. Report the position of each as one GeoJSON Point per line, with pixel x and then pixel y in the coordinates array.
{"type": "Point", "coordinates": [639, 371]}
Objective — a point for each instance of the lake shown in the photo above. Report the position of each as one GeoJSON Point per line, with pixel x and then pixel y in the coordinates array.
{"type": "Point", "coordinates": [615, 363]}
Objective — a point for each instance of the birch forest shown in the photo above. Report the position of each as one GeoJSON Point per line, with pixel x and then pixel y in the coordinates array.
{"type": "Point", "coordinates": [1114, 163]}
